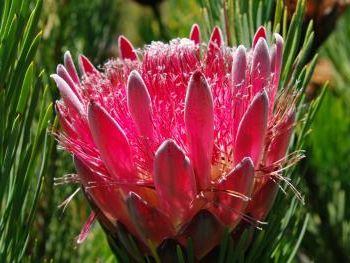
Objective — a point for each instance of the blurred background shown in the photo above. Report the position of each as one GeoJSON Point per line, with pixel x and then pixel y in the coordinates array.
{"type": "Point", "coordinates": [35, 34]}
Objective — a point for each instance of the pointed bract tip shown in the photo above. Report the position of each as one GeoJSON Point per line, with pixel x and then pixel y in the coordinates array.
{"type": "Point", "coordinates": [84, 58]}
{"type": "Point", "coordinates": [195, 34]}
{"type": "Point", "coordinates": [247, 162]}
{"type": "Point", "coordinates": [261, 43]}
{"type": "Point", "coordinates": [59, 68]}
{"type": "Point", "coordinates": [167, 145]}
{"type": "Point", "coordinates": [54, 76]}
{"type": "Point", "coordinates": [135, 81]}
{"type": "Point", "coordinates": [134, 75]}
{"type": "Point", "coordinates": [126, 49]}
{"type": "Point", "coordinates": [66, 92]}
{"type": "Point", "coordinates": [198, 81]}
{"type": "Point", "coordinates": [59, 81]}
{"type": "Point", "coordinates": [67, 55]}
{"type": "Point", "coordinates": [139, 104]}
{"type": "Point", "coordinates": [195, 26]}
{"type": "Point", "coordinates": [260, 33]}
{"type": "Point", "coordinates": [241, 49]}
{"type": "Point", "coordinates": [239, 55]}
{"type": "Point", "coordinates": [70, 67]}
{"type": "Point", "coordinates": [239, 66]}
{"type": "Point", "coordinates": [198, 77]}
{"type": "Point", "coordinates": [239, 62]}
{"type": "Point", "coordinates": [93, 107]}
{"type": "Point", "coordinates": [85, 65]}
{"type": "Point", "coordinates": [278, 38]}
{"type": "Point", "coordinates": [216, 36]}
{"type": "Point", "coordinates": [262, 95]}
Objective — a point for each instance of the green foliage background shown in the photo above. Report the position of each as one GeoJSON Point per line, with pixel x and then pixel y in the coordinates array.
{"type": "Point", "coordinates": [34, 34]}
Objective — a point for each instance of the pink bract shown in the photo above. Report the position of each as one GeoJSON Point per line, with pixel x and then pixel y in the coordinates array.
{"type": "Point", "coordinates": [178, 135]}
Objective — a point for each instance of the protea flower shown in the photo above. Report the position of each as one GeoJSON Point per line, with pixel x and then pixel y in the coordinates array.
{"type": "Point", "coordinates": [179, 140]}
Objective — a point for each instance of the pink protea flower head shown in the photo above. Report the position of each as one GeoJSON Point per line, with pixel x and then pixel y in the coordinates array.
{"type": "Point", "coordinates": [178, 140]}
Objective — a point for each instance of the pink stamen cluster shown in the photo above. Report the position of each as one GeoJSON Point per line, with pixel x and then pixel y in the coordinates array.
{"type": "Point", "coordinates": [164, 133]}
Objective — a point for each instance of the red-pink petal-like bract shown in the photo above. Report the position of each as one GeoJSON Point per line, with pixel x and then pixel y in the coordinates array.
{"type": "Point", "coordinates": [178, 136]}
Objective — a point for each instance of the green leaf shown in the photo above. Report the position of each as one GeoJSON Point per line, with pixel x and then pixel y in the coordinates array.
{"type": "Point", "coordinates": [25, 90]}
